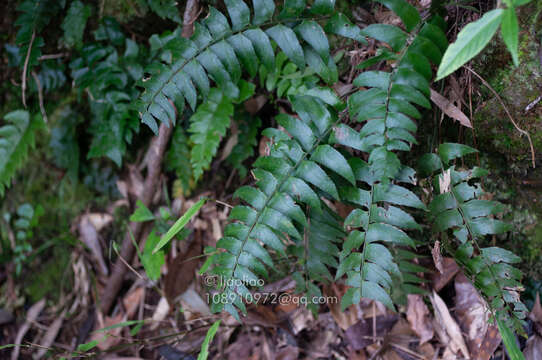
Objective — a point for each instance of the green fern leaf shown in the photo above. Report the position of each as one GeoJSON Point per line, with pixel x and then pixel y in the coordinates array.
{"type": "Point", "coordinates": [387, 109]}
{"type": "Point", "coordinates": [17, 137]}
{"type": "Point", "coordinates": [207, 127]}
{"type": "Point", "coordinates": [216, 51]}
{"type": "Point", "coordinates": [458, 209]}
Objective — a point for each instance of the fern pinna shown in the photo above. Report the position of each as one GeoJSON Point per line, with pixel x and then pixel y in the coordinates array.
{"type": "Point", "coordinates": [217, 50]}
{"type": "Point", "coordinates": [459, 209]}
{"type": "Point", "coordinates": [385, 106]}
{"type": "Point", "coordinates": [17, 137]}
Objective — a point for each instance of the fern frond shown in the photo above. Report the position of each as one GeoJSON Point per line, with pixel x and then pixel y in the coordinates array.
{"type": "Point", "coordinates": [178, 158]}
{"type": "Point", "coordinates": [218, 51]}
{"type": "Point", "coordinates": [316, 254]}
{"type": "Point", "coordinates": [299, 170]}
{"type": "Point", "coordinates": [34, 16]}
{"type": "Point", "coordinates": [108, 79]}
{"type": "Point", "coordinates": [459, 209]}
{"type": "Point", "coordinates": [386, 106]}
{"type": "Point", "coordinates": [208, 125]}
{"type": "Point", "coordinates": [247, 140]}
{"type": "Point", "coordinates": [17, 137]}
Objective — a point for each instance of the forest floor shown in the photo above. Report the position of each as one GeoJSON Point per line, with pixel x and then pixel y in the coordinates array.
{"type": "Point", "coordinates": [50, 298]}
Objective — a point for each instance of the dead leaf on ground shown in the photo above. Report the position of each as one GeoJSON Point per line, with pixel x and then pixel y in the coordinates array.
{"type": "Point", "coordinates": [91, 238]}
{"type": "Point", "coordinates": [450, 270]}
{"type": "Point", "coordinates": [130, 302]}
{"type": "Point", "coordinates": [437, 257]}
{"type": "Point", "coordinates": [182, 270]}
{"type": "Point", "coordinates": [533, 349]}
{"type": "Point", "coordinates": [472, 313]}
{"type": "Point", "coordinates": [288, 353]}
{"type": "Point", "coordinates": [447, 322]}
{"type": "Point", "coordinates": [450, 109]}
{"type": "Point", "coordinates": [50, 336]}
{"type": "Point", "coordinates": [31, 317]}
{"type": "Point", "coordinates": [360, 335]}
{"type": "Point", "coordinates": [418, 317]}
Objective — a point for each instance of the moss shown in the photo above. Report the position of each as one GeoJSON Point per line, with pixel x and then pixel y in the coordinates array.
{"type": "Point", "coordinates": [518, 87]}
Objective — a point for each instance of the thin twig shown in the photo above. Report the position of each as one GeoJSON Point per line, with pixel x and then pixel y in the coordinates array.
{"type": "Point", "coordinates": [40, 96]}
{"type": "Point", "coordinates": [52, 56]}
{"type": "Point", "coordinates": [520, 130]}
{"type": "Point", "coordinates": [25, 68]}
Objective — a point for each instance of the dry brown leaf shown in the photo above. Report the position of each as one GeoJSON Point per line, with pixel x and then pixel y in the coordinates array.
{"type": "Point", "coordinates": [418, 317]}
{"type": "Point", "coordinates": [450, 270]}
{"type": "Point", "coordinates": [444, 181]}
{"type": "Point", "coordinates": [231, 142]}
{"type": "Point", "coordinates": [50, 336]}
{"type": "Point", "coordinates": [359, 336]}
{"type": "Point", "coordinates": [533, 349]}
{"type": "Point", "coordinates": [491, 342]}
{"type": "Point", "coordinates": [450, 109]}
{"type": "Point", "coordinates": [181, 271]}
{"type": "Point", "coordinates": [288, 353]}
{"type": "Point", "coordinates": [472, 312]}
{"type": "Point", "coordinates": [89, 237]}
{"type": "Point", "coordinates": [31, 317]}
{"type": "Point", "coordinates": [437, 257]}
{"type": "Point", "coordinates": [193, 305]}
{"type": "Point", "coordinates": [130, 302]}
{"type": "Point", "coordinates": [442, 314]}
{"type": "Point", "coordinates": [254, 104]}
{"type": "Point", "coordinates": [160, 313]}
{"type": "Point", "coordinates": [345, 319]}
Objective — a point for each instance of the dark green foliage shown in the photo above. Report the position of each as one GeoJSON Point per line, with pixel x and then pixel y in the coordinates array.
{"type": "Point", "coordinates": [34, 17]}
{"type": "Point", "coordinates": [74, 23]}
{"type": "Point", "coordinates": [178, 158]}
{"type": "Point", "coordinates": [386, 108]}
{"type": "Point", "coordinates": [289, 180]}
{"type": "Point", "coordinates": [108, 78]}
{"type": "Point", "coordinates": [208, 125]}
{"type": "Point", "coordinates": [17, 138]}
{"type": "Point", "coordinates": [63, 143]}
{"type": "Point", "coordinates": [459, 210]}
{"type": "Point", "coordinates": [248, 127]}
{"type": "Point", "coordinates": [166, 9]}
{"type": "Point", "coordinates": [217, 51]}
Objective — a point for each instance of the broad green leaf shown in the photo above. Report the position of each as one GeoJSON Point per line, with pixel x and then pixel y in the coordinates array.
{"type": "Point", "coordinates": [451, 151]}
{"type": "Point", "coordinates": [408, 13]}
{"type": "Point", "coordinates": [339, 24]}
{"type": "Point", "coordinates": [239, 13]}
{"type": "Point", "coordinates": [142, 213]}
{"type": "Point", "coordinates": [179, 225]}
{"type": "Point", "coordinates": [470, 41]}
{"type": "Point", "coordinates": [313, 34]}
{"type": "Point", "coordinates": [510, 33]}
{"type": "Point", "coordinates": [74, 23]}
{"type": "Point", "coordinates": [509, 341]}
{"type": "Point", "coordinates": [204, 352]}
{"type": "Point", "coordinates": [287, 41]}
{"type": "Point", "coordinates": [152, 260]}
{"type": "Point", "coordinates": [263, 11]}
